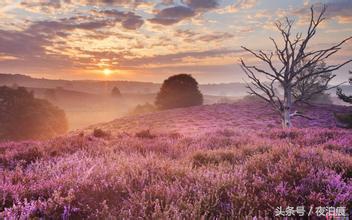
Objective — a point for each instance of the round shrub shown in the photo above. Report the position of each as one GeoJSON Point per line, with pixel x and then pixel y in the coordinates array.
{"type": "Point", "coordinates": [179, 91]}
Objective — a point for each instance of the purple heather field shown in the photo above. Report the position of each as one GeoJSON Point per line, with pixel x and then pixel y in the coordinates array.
{"type": "Point", "coordinates": [221, 161]}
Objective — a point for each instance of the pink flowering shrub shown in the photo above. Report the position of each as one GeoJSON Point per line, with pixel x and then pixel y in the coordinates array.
{"type": "Point", "coordinates": [217, 172]}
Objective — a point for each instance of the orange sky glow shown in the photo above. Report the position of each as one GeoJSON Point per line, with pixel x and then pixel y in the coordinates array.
{"type": "Point", "coordinates": [149, 40]}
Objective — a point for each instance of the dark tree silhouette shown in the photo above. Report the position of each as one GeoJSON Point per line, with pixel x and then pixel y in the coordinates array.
{"type": "Point", "coordinates": [342, 96]}
{"type": "Point", "coordinates": [179, 91]}
{"type": "Point", "coordinates": [116, 92]}
{"type": "Point", "coordinates": [24, 117]}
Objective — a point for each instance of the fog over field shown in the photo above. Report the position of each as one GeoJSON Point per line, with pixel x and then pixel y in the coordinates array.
{"type": "Point", "coordinates": [175, 109]}
{"type": "Point", "coordinates": [91, 102]}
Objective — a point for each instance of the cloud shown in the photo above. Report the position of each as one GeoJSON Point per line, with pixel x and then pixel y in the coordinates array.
{"type": "Point", "coordinates": [192, 36]}
{"type": "Point", "coordinates": [52, 6]}
{"type": "Point", "coordinates": [344, 19]}
{"type": "Point", "coordinates": [28, 47]}
{"type": "Point", "coordinates": [43, 3]}
{"type": "Point", "coordinates": [113, 2]}
{"type": "Point", "coordinates": [31, 44]}
{"type": "Point", "coordinates": [219, 36]}
{"type": "Point", "coordinates": [340, 10]}
{"type": "Point", "coordinates": [188, 8]}
{"type": "Point", "coordinates": [177, 58]}
{"type": "Point", "coordinates": [167, 2]}
{"type": "Point", "coordinates": [172, 15]}
{"type": "Point", "coordinates": [97, 19]}
{"type": "Point", "coordinates": [38, 43]}
{"type": "Point", "coordinates": [189, 34]}
{"type": "Point", "coordinates": [101, 19]}
{"type": "Point", "coordinates": [306, 2]}
{"type": "Point", "coordinates": [237, 6]}
{"type": "Point", "coordinates": [45, 6]}
{"type": "Point", "coordinates": [202, 4]}
{"type": "Point", "coordinates": [83, 35]}
{"type": "Point", "coordinates": [245, 4]}
{"type": "Point", "coordinates": [5, 57]}
{"type": "Point", "coordinates": [128, 20]}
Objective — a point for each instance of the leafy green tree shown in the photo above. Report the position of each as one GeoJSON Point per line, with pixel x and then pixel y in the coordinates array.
{"type": "Point", "coordinates": [179, 91]}
{"type": "Point", "coordinates": [22, 116]}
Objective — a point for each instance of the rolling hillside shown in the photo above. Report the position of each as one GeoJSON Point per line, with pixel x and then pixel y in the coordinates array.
{"type": "Point", "coordinates": [223, 161]}
{"type": "Point", "coordinates": [83, 108]}
{"type": "Point", "coordinates": [243, 114]}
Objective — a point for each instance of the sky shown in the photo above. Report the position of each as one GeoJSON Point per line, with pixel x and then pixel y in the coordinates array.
{"type": "Point", "coordinates": [149, 40]}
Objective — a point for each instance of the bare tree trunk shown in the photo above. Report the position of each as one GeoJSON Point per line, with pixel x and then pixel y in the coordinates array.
{"type": "Point", "coordinates": [287, 106]}
{"type": "Point", "coordinates": [294, 60]}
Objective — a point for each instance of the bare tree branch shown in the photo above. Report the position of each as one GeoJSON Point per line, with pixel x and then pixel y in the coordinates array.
{"type": "Point", "coordinates": [293, 61]}
{"type": "Point", "coordinates": [299, 114]}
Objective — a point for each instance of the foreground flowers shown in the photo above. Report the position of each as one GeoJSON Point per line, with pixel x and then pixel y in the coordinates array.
{"type": "Point", "coordinates": [228, 172]}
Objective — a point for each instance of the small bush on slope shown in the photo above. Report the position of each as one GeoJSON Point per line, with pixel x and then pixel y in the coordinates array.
{"type": "Point", "coordinates": [99, 133]}
{"type": "Point", "coordinates": [217, 157]}
{"type": "Point", "coordinates": [345, 120]}
{"type": "Point", "coordinates": [143, 109]}
{"type": "Point", "coordinates": [145, 134]}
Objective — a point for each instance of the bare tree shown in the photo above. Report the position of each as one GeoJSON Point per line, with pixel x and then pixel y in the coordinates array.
{"type": "Point", "coordinates": [287, 72]}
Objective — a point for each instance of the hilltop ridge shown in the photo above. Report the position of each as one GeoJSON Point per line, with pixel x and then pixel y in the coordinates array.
{"type": "Point", "coordinates": [101, 86]}
{"type": "Point", "coordinates": [243, 114]}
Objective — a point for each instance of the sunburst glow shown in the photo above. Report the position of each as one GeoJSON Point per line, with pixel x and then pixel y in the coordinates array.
{"type": "Point", "coordinates": [150, 40]}
{"type": "Point", "coordinates": [107, 72]}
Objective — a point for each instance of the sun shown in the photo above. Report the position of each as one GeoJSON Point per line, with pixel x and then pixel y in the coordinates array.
{"type": "Point", "coordinates": [107, 72]}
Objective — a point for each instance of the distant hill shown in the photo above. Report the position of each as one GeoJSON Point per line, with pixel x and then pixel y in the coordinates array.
{"type": "Point", "coordinates": [90, 86]}
{"type": "Point", "coordinates": [98, 87]}
{"type": "Point", "coordinates": [143, 91]}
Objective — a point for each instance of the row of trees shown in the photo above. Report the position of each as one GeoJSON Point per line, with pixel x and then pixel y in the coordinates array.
{"type": "Point", "coordinates": [299, 70]}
